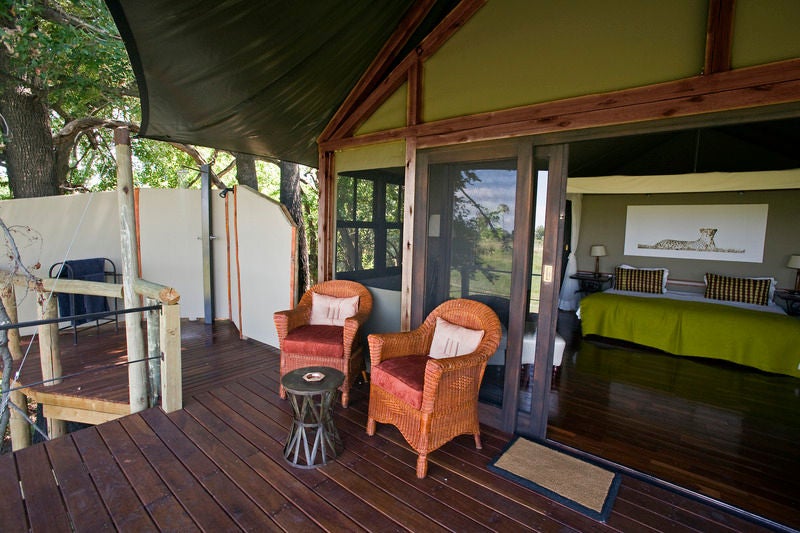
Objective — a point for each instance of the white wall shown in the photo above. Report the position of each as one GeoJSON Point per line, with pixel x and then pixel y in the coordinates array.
{"type": "Point", "coordinates": [171, 253]}
{"type": "Point", "coordinates": [267, 254]}
{"type": "Point", "coordinates": [87, 225]}
{"type": "Point", "coordinates": [70, 227]}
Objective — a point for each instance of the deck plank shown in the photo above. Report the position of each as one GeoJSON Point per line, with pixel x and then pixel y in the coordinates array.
{"type": "Point", "coordinates": [264, 433]}
{"type": "Point", "coordinates": [121, 500]}
{"type": "Point", "coordinates": [228, 495]}
{"type": "Point", "coordinates": [83, 502]}
{"type": "Point", "coordinates": [43, 504]}
{"type": "Point", "coordinates": [158, 500]}
{"type": "Point", "coordinates": [198, 503]}
{"type": "Point", "coordinates": [12, 509]}
{"type": "Point", "coordinates": [221, 456]}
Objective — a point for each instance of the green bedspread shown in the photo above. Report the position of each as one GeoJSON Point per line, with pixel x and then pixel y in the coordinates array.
{"type": "Point", "coordinates": [763, 340]}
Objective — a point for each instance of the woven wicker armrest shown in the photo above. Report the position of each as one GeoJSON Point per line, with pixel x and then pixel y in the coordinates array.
{"type": "Point", "coordinates": [383, 346]}
{"type": "Point", "coordinates": [286, 321]}
{"type": "Point", "coordinates": [455, 370]}
{"type": "Point", "coordinates": [351, 327]}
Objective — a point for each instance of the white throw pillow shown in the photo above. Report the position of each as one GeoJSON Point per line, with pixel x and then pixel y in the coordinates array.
{"type": "Point", "coordinates": [331, 311]}
{"type": "Point", "coordinates": [450, 340]}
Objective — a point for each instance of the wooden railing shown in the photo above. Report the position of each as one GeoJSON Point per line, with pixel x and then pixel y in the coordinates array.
{"type": "Point", "coordinates": [163, 342]}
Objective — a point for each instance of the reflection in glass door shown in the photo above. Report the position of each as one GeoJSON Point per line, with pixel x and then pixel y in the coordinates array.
{"type": "Point", "coordinates": [471, 212]}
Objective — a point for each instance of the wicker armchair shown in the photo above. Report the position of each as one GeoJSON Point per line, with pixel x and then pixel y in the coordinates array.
{"type": "Point", "coordinates": [431, 400]}
{"type": "Point", "coordinates": [303, 344]}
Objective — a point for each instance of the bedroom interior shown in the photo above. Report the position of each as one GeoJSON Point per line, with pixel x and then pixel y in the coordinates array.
{"type": "Point", "coordinates": [715, 427]}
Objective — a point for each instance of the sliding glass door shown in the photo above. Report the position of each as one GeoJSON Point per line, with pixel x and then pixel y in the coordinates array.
{"type": "Point", "coordinates": [485, 237]}
{"type": "Point", "coordinates": [470, 248]}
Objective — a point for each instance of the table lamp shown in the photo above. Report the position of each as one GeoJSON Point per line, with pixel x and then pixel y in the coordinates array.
{"type": "Point", "coordinates": [599, 250]}
{"type": "Point", "coordinates": [794, 262]}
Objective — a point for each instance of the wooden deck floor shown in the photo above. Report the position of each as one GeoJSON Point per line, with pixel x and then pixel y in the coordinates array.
{"type": "Point", "coordinates": [217, 465]}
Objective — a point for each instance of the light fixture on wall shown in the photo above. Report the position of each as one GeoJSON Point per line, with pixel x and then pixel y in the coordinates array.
{"type": "Point", "coordinates": [598, 251]}
{"type": "Point", "coordinates": [794, 262]}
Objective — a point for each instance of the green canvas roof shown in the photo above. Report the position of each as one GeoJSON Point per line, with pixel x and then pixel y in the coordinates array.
{"type": "Point", "coordinates": [260, 77]}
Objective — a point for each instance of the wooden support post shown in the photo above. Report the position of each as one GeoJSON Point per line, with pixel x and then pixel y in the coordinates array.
{"type": "Point", "coordinates": [153, 353]}
{"type": "Point", "coordinates": [49, 353]}
{"type": "Point", "coordinates": [137, 371]}
{"type": "Point", "coordinates": [171, 380]}
{"type": "Point", "coordinates": [20, 432]}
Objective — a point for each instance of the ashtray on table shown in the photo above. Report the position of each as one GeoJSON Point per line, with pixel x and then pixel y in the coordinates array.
{"type": "Point", "coordinates": [314, 376]}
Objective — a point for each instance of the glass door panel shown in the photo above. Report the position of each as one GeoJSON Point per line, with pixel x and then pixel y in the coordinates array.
{"type": "Point", "coordinates": [534, 290]}
{"type": "Point", "coordinates": [469, 252]}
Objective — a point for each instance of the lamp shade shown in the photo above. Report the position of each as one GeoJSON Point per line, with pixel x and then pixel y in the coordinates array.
{"type": "Point", "coordinates": [599, 250]}
{"type": "Point", "coordinates": [794, 262]}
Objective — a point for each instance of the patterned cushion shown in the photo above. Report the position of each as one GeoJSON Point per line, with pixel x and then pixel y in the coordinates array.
{"type": "Point", "coordinates": [403, 377]}
{"type": "Point", "coordinates": [663, 280]}
{"type": "Point", "coordinates": [747, 290]}
{"type": "Point", "coordinates": [319, 341]}
{"type": "Point", "coordinates": [639, 280]}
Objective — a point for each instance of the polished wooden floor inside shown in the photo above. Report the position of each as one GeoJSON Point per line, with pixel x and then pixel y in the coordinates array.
{"type": "Point", "coordinates": [218, 465]}
{"type": "Point", "coordinates": [728, 432]}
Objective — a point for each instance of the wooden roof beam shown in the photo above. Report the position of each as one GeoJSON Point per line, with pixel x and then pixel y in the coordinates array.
{"type": "Point", "coordinates": [719, 36]}
{"type": "Point", "coordinates": [377, 70]}
{"type": "Point", "coordinates": [409, 69]}
{"type": "Point", "coordinates": [752, 87]}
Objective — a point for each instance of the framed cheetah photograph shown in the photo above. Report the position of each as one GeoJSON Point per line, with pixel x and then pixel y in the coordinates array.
{"type": "Point", "coordinates": [733, 232]}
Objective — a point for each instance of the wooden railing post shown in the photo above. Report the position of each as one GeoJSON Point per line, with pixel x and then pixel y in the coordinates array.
{"type": "Point", "coordinates": [171, 380]}
{"type": "Point", "coordinates": [49, 353]}
{"type": "Point", "coordinates": [20, 432]}
{"type": "Point", "coordinates": [153, 352]}
{"type": "Point", "coordinates": [137, 370]}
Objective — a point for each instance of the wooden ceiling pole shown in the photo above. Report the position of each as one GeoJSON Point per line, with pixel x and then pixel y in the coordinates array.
{"type": "Point", "coordinates": [719, 36]}
{"type": "Point", "coordinates": [327, 204]}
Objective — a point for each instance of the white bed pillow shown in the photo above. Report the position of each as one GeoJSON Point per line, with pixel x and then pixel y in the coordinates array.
{"type": "Point", "coordinates": [663, 280]}
{"type": "Point", "coordinates": [450, 340]}
{"type": "Point", "coordinates": [331, 311]}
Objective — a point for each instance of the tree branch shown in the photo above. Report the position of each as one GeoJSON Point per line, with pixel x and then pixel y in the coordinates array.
{"type": "Point", "coordinates": [55, 14]}
{"type": "Point", "coordinates": [200, 160]}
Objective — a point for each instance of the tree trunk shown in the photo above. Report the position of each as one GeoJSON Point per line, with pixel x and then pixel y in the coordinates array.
{"type": "Point", "coordinates": [29, 151]}
{"type": "Point", "coordinates": [290, 197]}
{"type": "Point", "coordinates": [246, 170]}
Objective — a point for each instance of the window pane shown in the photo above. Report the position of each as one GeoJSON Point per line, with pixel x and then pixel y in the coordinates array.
{"type": "Point", "coordinates": [394, 203]}
{"type": "Point", "coordinates": [483, 220]}
{"type": "Point", "coordinates": [365, 201]}
{"type": "Point", "coordinates": [366, 249]}
{"type": "Point", "coordinates": [346, 250]}
{"type": "Point", "coordinates": [394, 250]}
{"type": "Point", "coordinates": [344, 198]}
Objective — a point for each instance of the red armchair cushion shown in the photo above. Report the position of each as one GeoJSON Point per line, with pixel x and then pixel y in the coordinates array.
{"type": "Point", "coordinates": [403, 377]}
{"type": "Point", "coordinates": [317, 340]}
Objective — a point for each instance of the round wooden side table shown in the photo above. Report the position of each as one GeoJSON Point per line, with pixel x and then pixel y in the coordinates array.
{"type": "Point", "coordinates": [313, 438]}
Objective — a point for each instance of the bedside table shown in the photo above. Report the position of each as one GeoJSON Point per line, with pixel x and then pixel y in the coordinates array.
{"type": "Point", "coordinates": [590, 283]}
{"type": "Point", "coordinates": [791, 301]}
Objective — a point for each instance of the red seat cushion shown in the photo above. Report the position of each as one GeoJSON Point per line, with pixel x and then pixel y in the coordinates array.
{"type": "Point", "coordinates": [402, 376]}
{"type": "Point", "coordinates": [317, 340]}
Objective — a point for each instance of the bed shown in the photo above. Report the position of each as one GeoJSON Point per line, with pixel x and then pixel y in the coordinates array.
{"type": "Point", "coordinates": [681, 323]}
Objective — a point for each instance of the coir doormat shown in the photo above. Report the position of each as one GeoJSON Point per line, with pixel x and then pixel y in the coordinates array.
{"type": "Point", "coordinates": [577, 484]}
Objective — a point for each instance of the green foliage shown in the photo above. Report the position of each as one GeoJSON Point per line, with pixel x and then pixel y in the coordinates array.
{"type": "Point", "coordinates": [71, 55]}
